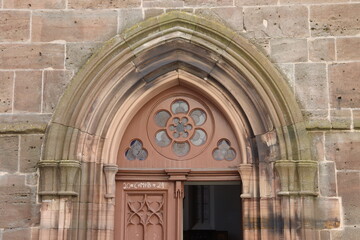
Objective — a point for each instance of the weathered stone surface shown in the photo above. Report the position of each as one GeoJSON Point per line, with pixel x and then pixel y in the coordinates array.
{"type": "Point", "coordinates": [344, 149]}
{"type": "Point", "coordinates": [35, 4]}
{"type": "Point", "coordinates": [317, 143]}
{"type": "Point", "coordinates": [209, 3]}
{"type": "Point", "coordinates": [55, 83]}
{"type": "Point", "coordinates": [325, 235]}
{"type": "Point", "coordinates": [18, 206]}
{"type": "Point", "coordinates": [31, 56]}
{"type": "Point", "coordinates": [337, 234]}
{"type": "Point", "coordinates": [24, 123]}
{"type": "Point", "coordinates": [327, 213]}
{"type": "Point", "coordinates": [347, 233]}
{"type": "Point", "coordinates": [327, 179]}
{"type": "Point", "coordinates": [14, 26]}
{"type": "Point", "coordinates": [17, 234]}
{"type": "Point", "coordinates": [263, 44]}
{"type": "Point", "coordinates": [310, 1]}
{"type": "Point", "coordinates": [231, 17]}
{"type": "Point", "coordinates": [340, 119]}
{"type": "Point", "coordinates": [274, 22]}
{"type": "Point", "coordinates": [344, 85]}
{"type": "Point", "coordinates": [348, 49]}
{"type": "Point", "coordinates": [32, 179]}
{"type": "Point", "coordinates": [317, 119]}
{"type": "Point", "coordinates": [335, 20]}
{"type": "Point", "coordinates": [73, 26]}
{"type": "Point", "coordinates": [350, 233]}
{"type": "Point", "coordinates": [78, 53]}
{"type": "Point", "coordinates": [9, 146]}
{"type": "Point", "coordinates": [28, 83]}
{"type": "Point", "coordinates": [356, 119]}
{"type": "Point", "coordinates": [103, 4]}
{"type": "Point", "coordinates": [311, 86]}
{"type": "Point", "coordinates": [152, 12]}
{"type": "Point", "coordinates": [289, 50]}
{"type": "Point", "coordinates": [289, 71]}
{"type": "Point", "coordinates": [255, 2]}
{"type": "Point", "coordinates": [128, 18]}
{"type": "Point", "coordinates": [349, 190]}
{"type": "Point", "coordinates": [6, 91]}
{"type": "Point", "coordinates": [30, 151]}
{"type": "Point", "coordinates": [163, 3]}
{"type": "Point", "coordinates": [322, 49]}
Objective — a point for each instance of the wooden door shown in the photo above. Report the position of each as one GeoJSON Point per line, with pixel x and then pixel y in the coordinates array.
{"type": "Point", "coordinates": [147, 211]}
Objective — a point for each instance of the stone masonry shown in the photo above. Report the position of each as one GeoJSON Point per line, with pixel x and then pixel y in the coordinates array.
{"type": "Point", "coordinates": [314, 43]}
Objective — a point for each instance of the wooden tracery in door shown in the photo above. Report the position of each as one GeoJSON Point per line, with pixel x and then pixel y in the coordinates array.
{"type": "Point", "coordinates": [147, 211]}
{"type": "Point", "coordinates": [176, 137]}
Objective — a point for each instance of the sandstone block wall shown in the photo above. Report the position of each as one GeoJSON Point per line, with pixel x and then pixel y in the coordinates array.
{"type": "Point", "coordinates": [315, 43]}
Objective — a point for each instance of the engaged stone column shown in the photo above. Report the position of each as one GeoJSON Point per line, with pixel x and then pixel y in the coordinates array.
{"type": "Point", "coordinates": [110, 173]}
{"type": "Point", "coordinates": [58, 187]}
{"type": "Point", "coordinates": [297, 192]}
{"type": "Point", "coordinates": [250, 203]}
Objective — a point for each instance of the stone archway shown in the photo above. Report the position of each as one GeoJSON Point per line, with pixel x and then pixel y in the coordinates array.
{"type": "Point", "coordinates": [78, 166]}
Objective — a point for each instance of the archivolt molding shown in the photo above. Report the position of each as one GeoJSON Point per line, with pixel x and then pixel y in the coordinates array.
{"type": "Point", "coordinates": [161, 52]}
{"type": "Point", "coordinates": [126, 67]}
{"type": "Point", "coordinates": [159, 45]}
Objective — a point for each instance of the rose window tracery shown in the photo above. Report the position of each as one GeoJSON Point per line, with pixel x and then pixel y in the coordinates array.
{"type": "Point", "coordinates": [180, 127]}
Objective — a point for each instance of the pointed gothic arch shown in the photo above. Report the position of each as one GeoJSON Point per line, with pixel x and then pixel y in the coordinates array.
{"type": "Point", "coordinates": [78, 165]}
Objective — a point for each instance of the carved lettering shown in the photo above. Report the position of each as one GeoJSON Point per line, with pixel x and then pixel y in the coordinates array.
{"type": "Point", "coordinates": [144, 185]}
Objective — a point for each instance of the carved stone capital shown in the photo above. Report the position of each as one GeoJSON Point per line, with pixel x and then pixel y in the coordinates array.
{"type": "Point", "coordinates": [48, 177]}
{"type": "Point", "coordinates": [69, 174]}
{"type": "Point", "coordinates": [297, 177]}
{"type": "Point", "coordinates": [287, 172]}
{"type": "Point", "coordinates": [58, 178]}
{"type": "Point", "coordinates": [307, 170]}
{"type": "Point", "coordinates": [247, 177]}
{"type": "Point", "coordinates": [110, 172]}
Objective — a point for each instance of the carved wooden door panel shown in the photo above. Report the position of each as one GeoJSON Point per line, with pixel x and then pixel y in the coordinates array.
{"type": "Point", "coordinates": [148, 211]}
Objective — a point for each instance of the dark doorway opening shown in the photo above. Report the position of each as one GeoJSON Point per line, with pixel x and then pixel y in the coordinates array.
{"type": "Point", "coordinates": [212, 211]}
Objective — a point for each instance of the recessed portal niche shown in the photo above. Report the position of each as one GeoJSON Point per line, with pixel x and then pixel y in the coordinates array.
{"type": "Point", "coordinates": [212, 212]}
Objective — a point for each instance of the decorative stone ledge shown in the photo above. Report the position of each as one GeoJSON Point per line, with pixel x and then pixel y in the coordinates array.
{"type": "Point", "coordinates": [59, 178]}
